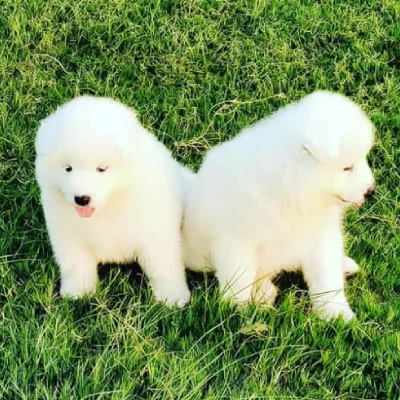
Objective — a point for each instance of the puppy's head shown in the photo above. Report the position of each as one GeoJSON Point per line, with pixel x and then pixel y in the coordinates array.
{"type": "Point", "coordinates": [337, 136]}
{"type": "Point", "coordinates": [85, 151]}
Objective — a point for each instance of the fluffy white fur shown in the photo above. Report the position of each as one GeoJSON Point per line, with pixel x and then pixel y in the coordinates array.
{"type": "Point", "coordinates": [272, 199]}
{"type": "Point", "coordinates": [96, 147]}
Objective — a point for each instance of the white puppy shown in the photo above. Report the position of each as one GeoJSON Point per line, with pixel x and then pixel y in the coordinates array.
{"type": "Point", "coordinates": [110, 193]}
{"type": "Point", "coordinates": [272, 199]}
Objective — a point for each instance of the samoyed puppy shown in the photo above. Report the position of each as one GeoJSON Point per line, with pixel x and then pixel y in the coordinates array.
{"type": "Point", "coordinates": [272, 200]}
{"type": "Point", "coordinates": [110, 193]}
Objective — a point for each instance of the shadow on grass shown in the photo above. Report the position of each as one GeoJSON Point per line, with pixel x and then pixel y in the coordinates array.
{"type": "Point", "coordinates": [199, 283]}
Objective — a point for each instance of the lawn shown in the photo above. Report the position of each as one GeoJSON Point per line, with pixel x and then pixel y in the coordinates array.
{"type": "Point", "coordinates": [197, 71]}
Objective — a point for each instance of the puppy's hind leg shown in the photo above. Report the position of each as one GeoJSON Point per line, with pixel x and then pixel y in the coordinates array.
{"type": "Point", "coordinates": [236, 269]}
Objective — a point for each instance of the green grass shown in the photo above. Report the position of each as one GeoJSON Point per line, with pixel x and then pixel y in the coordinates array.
{"type": "Point", "coordinates": [197, 71]}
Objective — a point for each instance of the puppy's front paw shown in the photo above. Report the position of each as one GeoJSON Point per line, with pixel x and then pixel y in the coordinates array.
{"type": "Point", "coordinates": [350, 267]}
{"type": "Point", "coordinates": [76, 287]}
{"type": "Point", "coordinates": [240, 298]}
{"type": "Point", "coordinates": [265, 293]}
{"type": "Point", "coordinates": [333, 310]}
{"type": "Point", "coordinates": [172, 296]}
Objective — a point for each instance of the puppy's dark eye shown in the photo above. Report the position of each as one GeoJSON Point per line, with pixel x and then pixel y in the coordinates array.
{"type": "Point", "coordinates": [101, 169]}
{"type": "Point", "coordinates": [348, 169]}
{"type": "Point", "coordinates": [68, 168]}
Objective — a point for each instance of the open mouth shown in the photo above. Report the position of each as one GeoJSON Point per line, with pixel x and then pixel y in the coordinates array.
{"type": "Point", "coordinates": [343, 200]}
{"type": "Point", "coordinates": [348, 202]}
{"type": "Point", "coordinates": [85, 212]}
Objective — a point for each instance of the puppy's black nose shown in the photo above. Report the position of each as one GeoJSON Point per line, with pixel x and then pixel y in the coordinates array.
{"type": "Point", "coordinates": [369, 193]}
{"type": "Point", "coordinates": [82, 200]}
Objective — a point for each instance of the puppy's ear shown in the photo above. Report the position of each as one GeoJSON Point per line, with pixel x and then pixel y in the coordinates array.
{"type": "Point", "coordinates": [323, 146]}
{"type": "Point", "coordinates": [44, 136]}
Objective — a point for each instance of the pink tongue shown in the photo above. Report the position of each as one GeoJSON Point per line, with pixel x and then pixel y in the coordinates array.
{"type": "Point", "coordinates": [85, 212]}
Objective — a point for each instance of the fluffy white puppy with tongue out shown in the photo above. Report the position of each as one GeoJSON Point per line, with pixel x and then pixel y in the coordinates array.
{"type": "Point", "coordinates": [272, 199]}
{"type": "Point", "coordinates": [110, 193]}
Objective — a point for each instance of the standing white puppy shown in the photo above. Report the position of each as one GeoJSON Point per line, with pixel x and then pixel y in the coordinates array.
{"type": "Point", "coordinates": [110, 193]}
{"type": "Point", "coordinates": [272, 199]}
